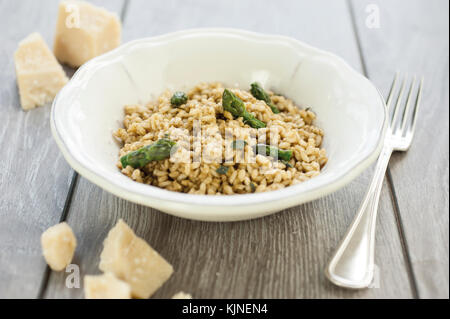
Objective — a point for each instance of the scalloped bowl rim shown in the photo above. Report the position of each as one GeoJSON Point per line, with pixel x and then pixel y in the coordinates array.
{"type": "Point", "coordinates": [141, 194]}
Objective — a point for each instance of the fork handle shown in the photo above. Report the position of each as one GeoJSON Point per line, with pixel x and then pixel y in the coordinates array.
{"type": "Point", "coordinates": [352, 265]}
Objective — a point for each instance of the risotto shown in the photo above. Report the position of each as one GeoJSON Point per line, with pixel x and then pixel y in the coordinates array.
{"type": "Point", "coordinates": [212, 140]}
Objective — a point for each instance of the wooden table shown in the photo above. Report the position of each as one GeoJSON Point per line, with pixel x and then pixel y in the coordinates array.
{"type": "Point", "coordinates": [280, 256]}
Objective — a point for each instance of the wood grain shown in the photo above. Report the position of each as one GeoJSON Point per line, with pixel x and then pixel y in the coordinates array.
{"type": "Point", "coordinates": [34, 177]}
{"type": "Point", "coordinates": [413, 39]}
{"type": "Point", "coordinates": [280, 256]}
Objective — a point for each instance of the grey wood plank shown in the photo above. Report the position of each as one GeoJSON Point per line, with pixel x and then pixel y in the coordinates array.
{"type": "Point", "coordinates": [413, 39]}
{"type": "Point", "coordinates": [279, 256]}
{"type": "Point", "coordinates": [34, 177]}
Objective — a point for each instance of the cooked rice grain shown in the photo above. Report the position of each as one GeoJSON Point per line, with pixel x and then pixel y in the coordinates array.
{"type": "Point", "coordinates": [291, 129]}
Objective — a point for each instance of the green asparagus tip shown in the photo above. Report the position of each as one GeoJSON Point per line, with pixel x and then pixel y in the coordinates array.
{"type": "Point", "coordinates": [234, 105]}
{"type": "Point", "coordinates": [157, 151]}
{"type": "Point", "coordinates": [222, 170]}
{"type": "Point", "coordinates": [178, 98]}
{"type": "Point", "coordinates": [282, 155]}
{"type": "Point", "coordinates": [258, 93]}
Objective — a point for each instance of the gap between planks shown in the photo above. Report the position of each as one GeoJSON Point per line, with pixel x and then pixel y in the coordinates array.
{"type": "Point", "coordinates": [388, 176]}
{"type": "Point", "coordinates": [63, 218]}
{"type": "Point", "coordinates": [73, 183]}
{"type": "Point", "coordinates": [400, 227]}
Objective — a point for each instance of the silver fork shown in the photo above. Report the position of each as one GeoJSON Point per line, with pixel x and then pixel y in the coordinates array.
{"type": "Point", "coordinates": [352, 265]}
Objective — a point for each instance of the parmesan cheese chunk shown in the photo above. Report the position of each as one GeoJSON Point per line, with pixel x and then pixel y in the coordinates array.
{"type": "Point", "coordinates": [105, 286]}
{"type": "Point", "coordinates": [131, 259]}
{"type": "Point", "coordinates": [182, 295]}
{"type": "Point", "coordinates": [84, 31]}
{"type": "Point", "coordinates": [58, 246]}
{"type": "Point", "coordinates": [39, 75]}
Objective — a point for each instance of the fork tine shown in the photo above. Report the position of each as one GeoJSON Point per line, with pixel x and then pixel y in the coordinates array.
{"type": "Point", "coordinates": [411, 129]}
{"type": "Point", "coordinates": [408, 106]}
{"type": "Point", "coordinates": [391, 91]}
{"type": "Point", "coordinates": [397, 105]}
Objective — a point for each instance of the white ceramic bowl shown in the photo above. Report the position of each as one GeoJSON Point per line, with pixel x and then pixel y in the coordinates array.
{"type": "Point", "coordinates": [90, 107]}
